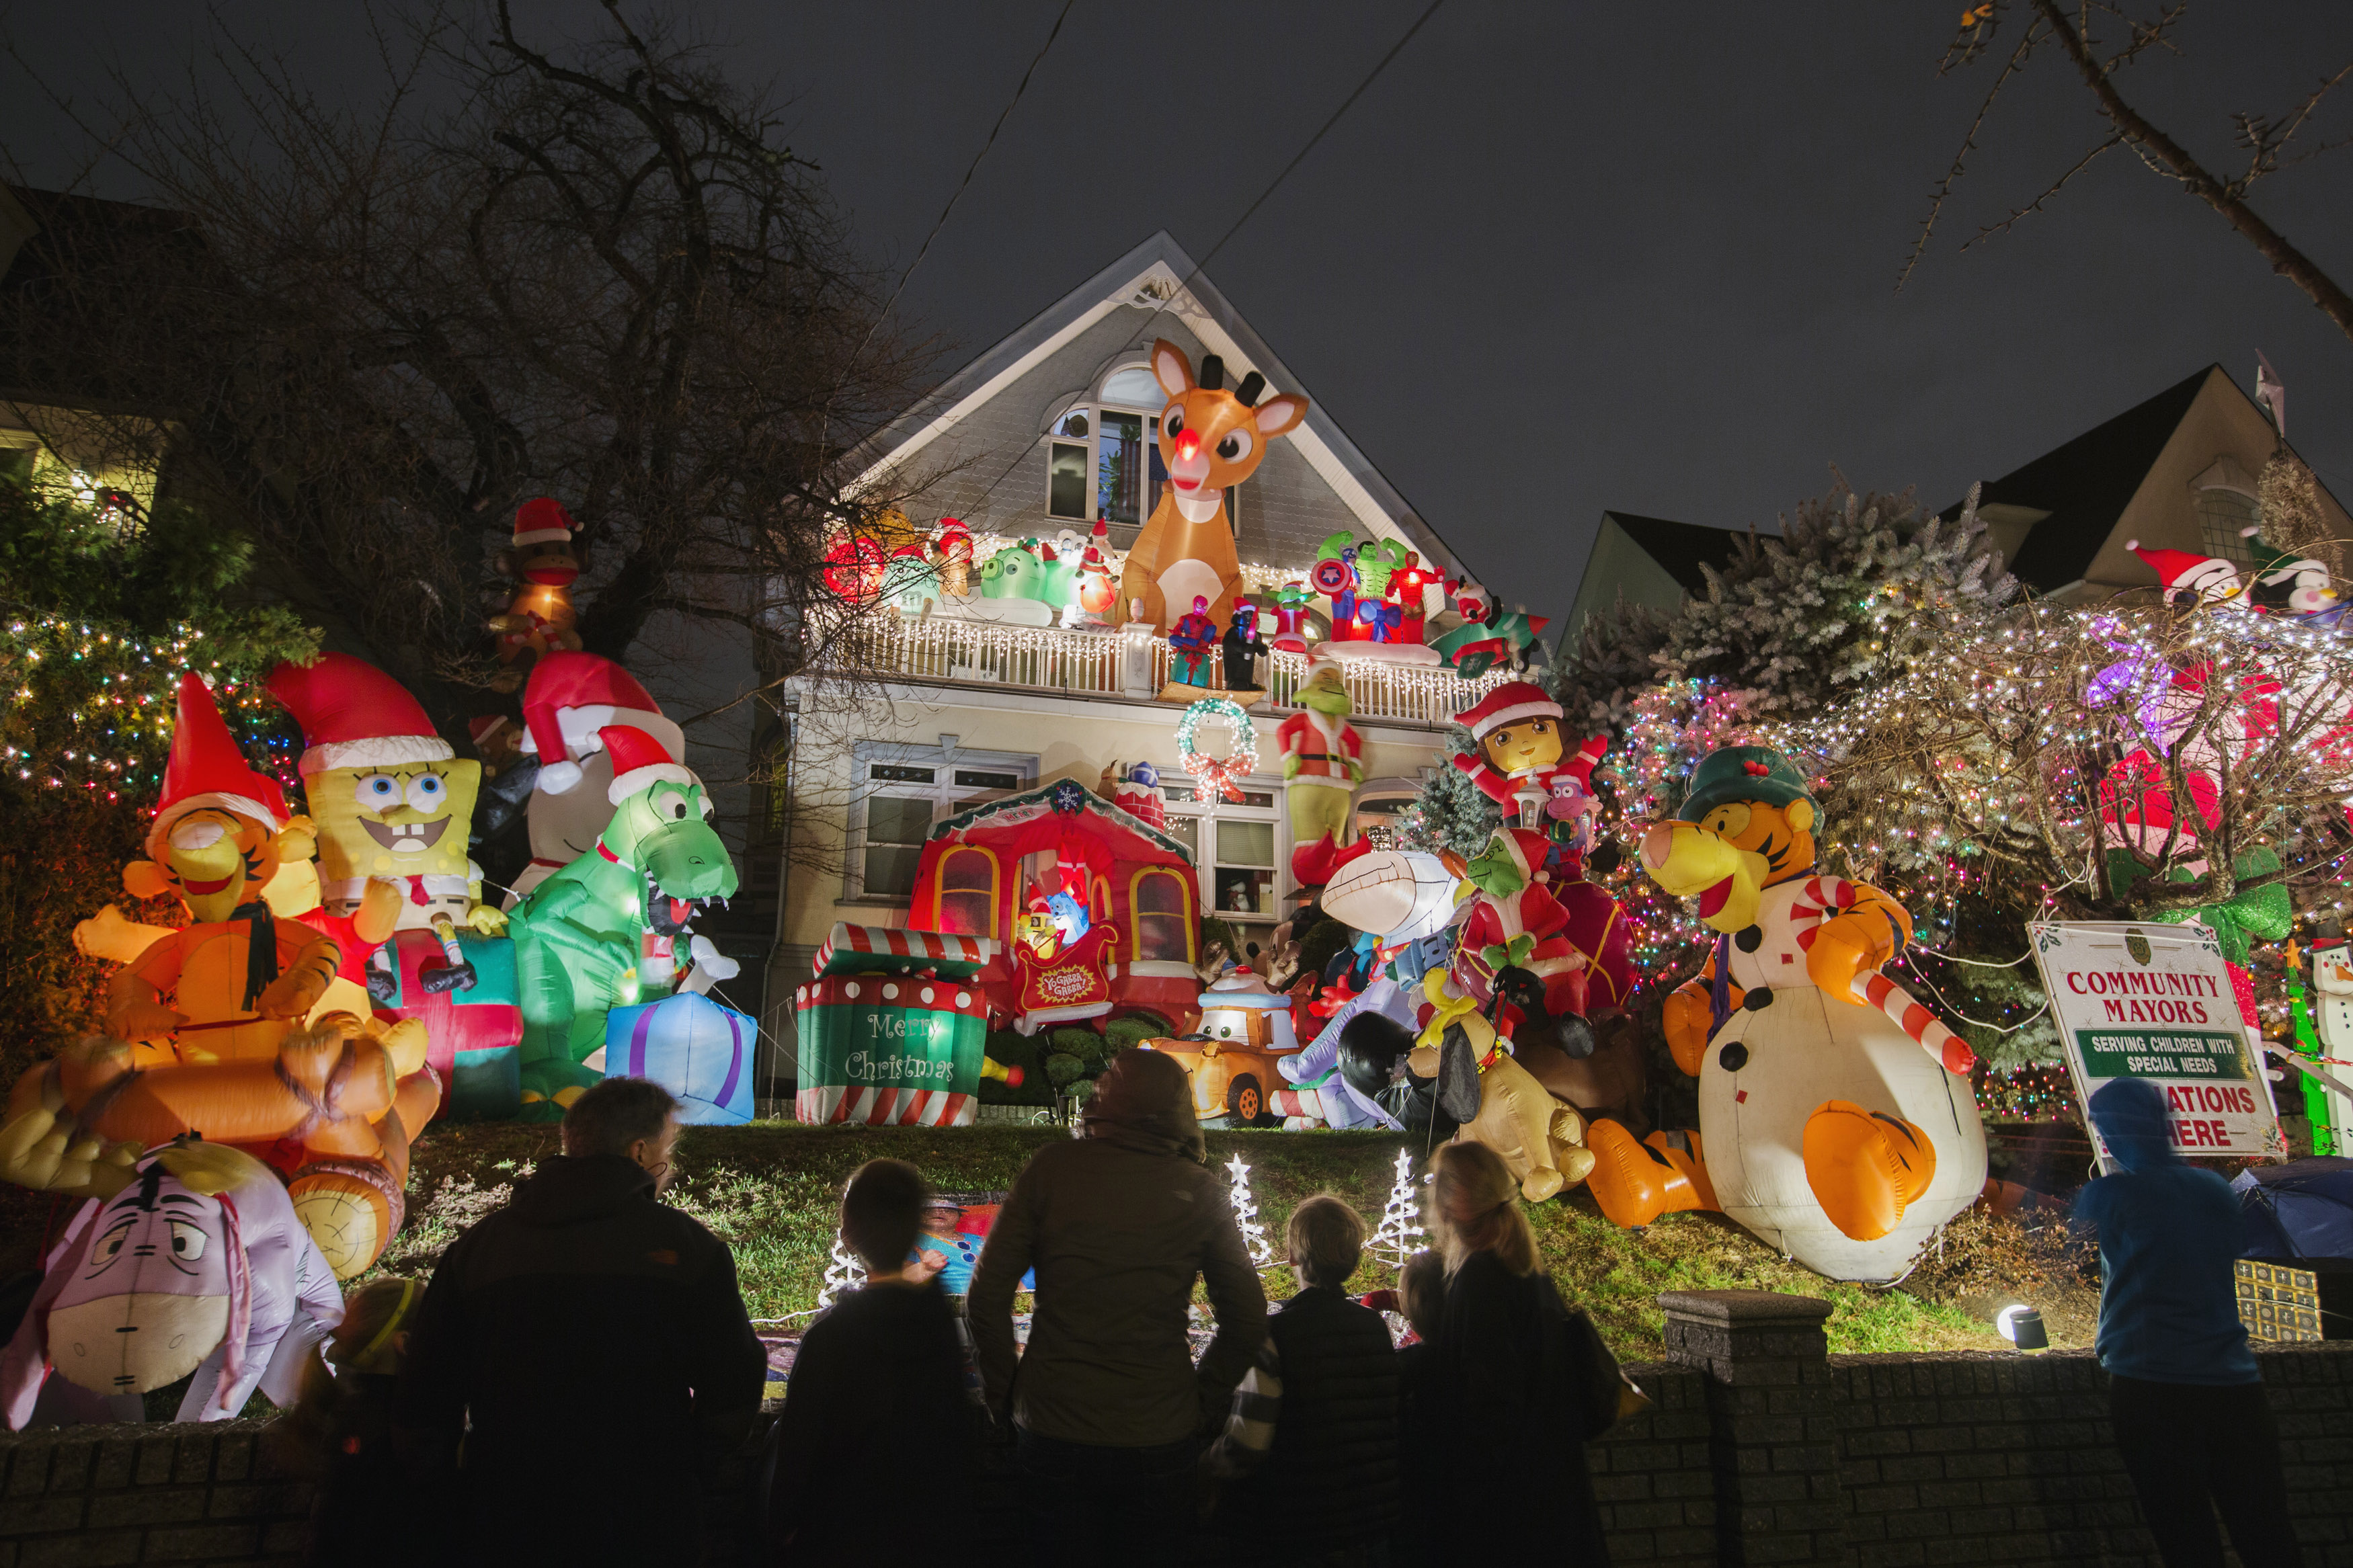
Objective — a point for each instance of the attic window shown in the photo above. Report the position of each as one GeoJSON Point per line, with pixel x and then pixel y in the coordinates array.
{"type": "Point", "coordinates": [1134, 387]}
{"type": "Point", "coordinates": [1102, 455]}
{"type": "Point", "coordinates": [2224, 497]}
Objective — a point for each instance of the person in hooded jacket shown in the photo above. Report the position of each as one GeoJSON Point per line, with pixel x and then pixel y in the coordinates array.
{"type": "Point", "coordinates": [2186, 1398]}
{"type": "Point", "coordinates": [588, 1346]}
{"type": "Point", "coordinates": [1108, 1410]}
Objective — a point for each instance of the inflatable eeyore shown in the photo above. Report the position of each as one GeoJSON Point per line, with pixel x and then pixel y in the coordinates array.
{"type": "Point", "coordinates": [198, 1266]}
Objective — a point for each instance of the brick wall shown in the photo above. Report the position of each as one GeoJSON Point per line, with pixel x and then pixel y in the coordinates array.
{"type": "Point", "coordinates": [1759, 1448]}
{"type": "Point", "coordinates": [1998, 1459]}
{"type": "Point", "coordinates": [178, 1494]}
{"type": "Point", "coordinates": [1654, 1475]}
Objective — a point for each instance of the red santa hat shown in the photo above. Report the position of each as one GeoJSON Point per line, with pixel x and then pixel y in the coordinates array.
{"type": "Point", "coordinates": [539, 522]}
{"type": "Point", "coordinates": [639, 762]}
{"type": "Point", "coordinates": [206, 768]}
{"type": "Point", "coordinates": [570, 700]}
{"type": "Point", "coordinates": [1529, 849]}
{"type": "Point", "coordinates": [353, 715]}
{"type": "Point", "coordinates": [1510, 703]}
{"type": "Point", "coordinates": [1579, 767]}
{"type": "Point", "coordinates": [482, 726]}
{"type": "Point", "coordinates": [2182, 569]}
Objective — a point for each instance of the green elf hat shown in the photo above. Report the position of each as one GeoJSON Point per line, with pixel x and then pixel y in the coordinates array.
{"type": "Point", "coordinates": [1743, 773]}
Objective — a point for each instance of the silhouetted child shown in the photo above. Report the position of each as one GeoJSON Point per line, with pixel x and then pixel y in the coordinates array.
{"type": "Point", "coordinates": [878, 1408]}
{"type": "Point", "coordinates": [340, 1432]}
{"type": "Point", "coordinates": [1422, 1298]}
{"type": "Point", "coordinates": [1310, 1444]}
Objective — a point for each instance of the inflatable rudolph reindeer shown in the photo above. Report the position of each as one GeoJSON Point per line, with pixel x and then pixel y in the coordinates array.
{"type": "Point", "coordinates": [1210, 439]}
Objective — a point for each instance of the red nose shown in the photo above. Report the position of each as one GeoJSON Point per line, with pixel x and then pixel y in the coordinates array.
{"type": "Point", "coordinates": [1187, 445]}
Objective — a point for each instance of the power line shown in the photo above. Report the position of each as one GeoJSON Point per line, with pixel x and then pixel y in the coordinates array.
{"type": "Point", "coordinates": [1345, 104]}
{"type": "Point", "coordinates": [954, 196]}
{"type": "Point", "coordinates": [957, 194]}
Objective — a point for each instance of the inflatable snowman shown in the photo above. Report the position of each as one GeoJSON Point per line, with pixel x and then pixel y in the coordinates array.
{"type": "Point", "coordinates": [1836, 1119]}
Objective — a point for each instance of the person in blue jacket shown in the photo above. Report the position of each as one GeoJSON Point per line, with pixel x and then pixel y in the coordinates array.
{"type": "Point", "coordinates": [2187, 1401]}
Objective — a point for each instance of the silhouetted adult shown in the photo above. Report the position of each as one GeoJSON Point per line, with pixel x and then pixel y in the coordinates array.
{"type": "Point", "coordinates": [1108, 1408]}
{"type": "Point", "coordinates": [2192, 1417]}
{"type": "Point", "coordinates": [1498, 1393]}
{"type": "Point", "coordinates": [593, 1338]}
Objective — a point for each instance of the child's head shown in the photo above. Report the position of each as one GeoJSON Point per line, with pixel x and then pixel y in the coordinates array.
{"type": "Point", "coordinates": [373, 1335]}
{"type": "Point", "coordinates": [1421, 1291]}
{"type": "Point", "coordinates": [1325, 1237]}
{"type": "Point", "coordinates": [882, 1213]}
{"type": "Point", "coordinates": [942, 1216]}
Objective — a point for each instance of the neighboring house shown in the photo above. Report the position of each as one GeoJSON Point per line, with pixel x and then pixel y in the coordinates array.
{"type": "Point", "coordinates": [2176, 472]}
{"type": "Point", "coordinates": [63, 422]}
{"type": "Point", "coordinates": [1644, 561]}
{"type": "Point", "coordinates": [1048, 431]}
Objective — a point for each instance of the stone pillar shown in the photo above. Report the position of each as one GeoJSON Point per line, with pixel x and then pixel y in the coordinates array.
{"type": "Point", "coordinates": [1773, 1425]}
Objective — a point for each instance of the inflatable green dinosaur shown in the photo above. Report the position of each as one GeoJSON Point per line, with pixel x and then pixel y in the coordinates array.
{"type": "Point", "coordinates": [581, 936]}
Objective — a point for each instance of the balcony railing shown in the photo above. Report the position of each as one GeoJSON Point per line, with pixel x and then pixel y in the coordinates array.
{"type": "Point", "coordinates": [1100, 662]}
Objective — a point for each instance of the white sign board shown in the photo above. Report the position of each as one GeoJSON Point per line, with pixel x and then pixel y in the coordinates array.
{"type": "Point", "coordinates": [2156, 1002]}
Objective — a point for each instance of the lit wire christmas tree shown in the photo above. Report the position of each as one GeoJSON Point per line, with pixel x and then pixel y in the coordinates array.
{"type": "Point", "coordinates": [1246, 1216]}
{"type": "Point", "coordinates": [842, 1272]}
{"type": "Point", "coordinates": [1398, 1236]}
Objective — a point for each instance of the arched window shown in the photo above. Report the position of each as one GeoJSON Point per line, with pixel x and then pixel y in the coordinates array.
{"type": "Point", "coordinates": [1103, 455]}
{"type": "Point", "coordinates": [968, 891]}
{"type": "Point", "coordinates": [1099, 909]}
{"type": "Point", "coordinates": [1162, 916]}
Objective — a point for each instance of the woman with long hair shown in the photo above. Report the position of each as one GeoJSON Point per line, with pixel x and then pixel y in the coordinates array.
{"type": "Point", "coordinates": [1503, 1399]}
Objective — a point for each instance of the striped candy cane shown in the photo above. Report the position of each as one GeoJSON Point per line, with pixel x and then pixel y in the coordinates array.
{"type": "Point", "coordinates": [1873, 989]}
{"type": "Point", "coordinates": [1824, 894]}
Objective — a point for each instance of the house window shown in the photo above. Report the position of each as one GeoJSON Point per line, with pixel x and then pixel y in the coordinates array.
{"type": "Point", "coordinates": [1239, 880]}
{"type": "Point", "coordinates": [903, 791]}
{"type": "Point", "coordinates": [1102, 455]}
{"type": "Point", "coordinates": [2221, 513]}
{"type": "Point", "coordinates": [1243, 872]}
{"type": "Point", "coordinates": [968, 891]}
{"type": "Point", "coordinates": [1163, 931]}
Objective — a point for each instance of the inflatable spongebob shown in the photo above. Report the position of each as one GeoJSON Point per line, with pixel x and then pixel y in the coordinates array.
{"type": "Point", "coordinates": [1836, 1119]}
{"type": "Point", "coordinates": [392, 801]}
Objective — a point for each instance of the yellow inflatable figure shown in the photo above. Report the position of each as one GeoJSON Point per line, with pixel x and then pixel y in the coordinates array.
{"type": "Point", "coordinates": [391, 800]}
{"type": "Point", "coordinates": [198, 1012]}
{"type": "Point", "coordinates": [1836, 1117]}
{"type": "Point", "coordinates": [1541, 1139]}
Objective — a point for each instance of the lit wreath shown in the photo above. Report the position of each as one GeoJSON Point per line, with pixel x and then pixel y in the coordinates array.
{"type": "Point", "coordinates": [1219, 773]}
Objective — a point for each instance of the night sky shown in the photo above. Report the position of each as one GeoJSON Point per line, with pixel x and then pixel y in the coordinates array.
{"type": "Point", "coordinates": [1558, 259]}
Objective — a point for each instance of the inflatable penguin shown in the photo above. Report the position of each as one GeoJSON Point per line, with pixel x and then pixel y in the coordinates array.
{"type": "Point", "coordinates": [1836, 1119]}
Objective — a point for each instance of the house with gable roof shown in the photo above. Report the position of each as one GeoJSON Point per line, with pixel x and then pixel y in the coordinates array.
{"type": "Point", "coordinates": [912, 719]}
{"type": "Point", "coordinates": [2175, 472]}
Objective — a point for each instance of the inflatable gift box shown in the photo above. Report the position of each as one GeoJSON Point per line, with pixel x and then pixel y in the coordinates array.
{"type": "Point", "coordinates": [892, 1028]}
{"type": "Point", "coordinates": [476, 1034]}
{"type": "Point", "coordinates": [699, 1051]}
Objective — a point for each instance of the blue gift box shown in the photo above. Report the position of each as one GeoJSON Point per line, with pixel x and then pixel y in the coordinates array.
{"type": "Point", "coordinates": [694, 1048]}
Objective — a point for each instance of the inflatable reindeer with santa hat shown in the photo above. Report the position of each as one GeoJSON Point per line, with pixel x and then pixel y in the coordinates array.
{"type": "Point", "coordinates": [569, 701]}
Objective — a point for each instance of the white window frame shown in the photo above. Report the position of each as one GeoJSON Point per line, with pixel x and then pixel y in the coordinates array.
{"type": "Point", "coordinates": [946, 796]}
{"type": "Point", "coordinates": [1093, 406]}
{"type": "Point", "coordinates": [1206, 813]}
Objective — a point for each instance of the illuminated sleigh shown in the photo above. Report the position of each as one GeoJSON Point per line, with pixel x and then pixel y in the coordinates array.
{"type": "Point", "coordinates": [972, 882]}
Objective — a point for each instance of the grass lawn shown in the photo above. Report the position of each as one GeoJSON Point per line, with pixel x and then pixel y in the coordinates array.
{"type": "Point", "coordinates": [769, 1190]}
